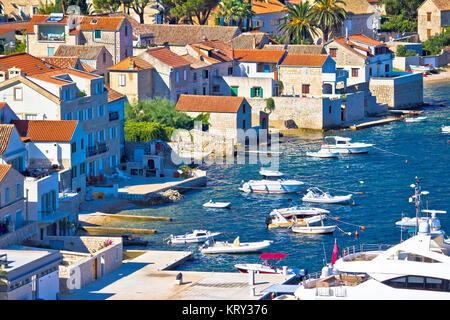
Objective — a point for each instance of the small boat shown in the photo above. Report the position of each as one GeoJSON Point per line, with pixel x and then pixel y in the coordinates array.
{"type": "Point", "coordinates": [272, 182]}
{"type": "Point", "coordinates": [195, 236]}
{"type": "Point", "coordinates": [415, 119]}
{"type": "Point", "coordinates": [300, 216]}
{"type": "Point", "coordinates": [318, 196]}
{"type": "Point", "coordinates": [212, 246]}
{"type": "Point", "coordinates": [220, 205]}
{"type": "Point", "coordinates": [425, 69]}
{"type": "Point", "coordinates": [344, 145]}
{"type": "Point", "coordinates": [324, 152]}
{"type": "Point", "coordinates": [446, 129]}
{"type": "Point", "coordinates": [322, 229]}
{"type": "Point", "coordinates": [268, 265]}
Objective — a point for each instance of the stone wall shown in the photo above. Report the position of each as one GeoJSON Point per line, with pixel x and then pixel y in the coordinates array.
{"type": "Point", "coordinates": [398, 92]}
{"type": "Point", "coordinates": [403, 63]}
{"type": "Point", "coordinates": [306, 113]}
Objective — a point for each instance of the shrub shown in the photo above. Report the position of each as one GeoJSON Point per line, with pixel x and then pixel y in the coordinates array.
{"type": "Point", "coordinates": [270, 105]}
{"type": "Point", "coordinates": [434, 44]}
{"type": "Point", "coordinates": [145, 131]}
{"type": "Point", "coordinates": [402, 52]}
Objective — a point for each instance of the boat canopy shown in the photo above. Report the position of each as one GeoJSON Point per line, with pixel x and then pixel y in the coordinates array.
{"type": "Point", "coordinates": [273, 256]}
{"type": "Point", "coordinates": [338, 138]}
{"type": "Point", "coordinates": [270, 173]}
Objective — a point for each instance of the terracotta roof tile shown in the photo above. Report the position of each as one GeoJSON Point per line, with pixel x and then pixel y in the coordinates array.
{"type": "Point", "coordinates": [256, 55]}
{"type": "Point", "coordinates": [83, 52]}
{"type": "Point", "coordinates": [358, 7]}
{"type": "Point", "coordinates": [27, 63]}
{"type": "Point", "coordinates": [213, 51]}
{"type": "Point", "coordinates": [365, 39]}
{"type": "Point", "coordinates": [113, 95]}
{"type": "Point", "coordinates": [267, 6]}
{"type": "Point", "coordinates": [46, 130]}
{"type": "Point", "coordinates": [343, 42]}
{"type": "Point", "coordinates": [4, 169]}
{"type": "Point", "coordinates": [86, 23]}
{"type": "Point", "coordinates": [199, 103]}
{"type": "Point", "coordinates": [168, 57]}
{"type": "Point", "coordinates": [297, 48]}
{"type": "Point", "coordinates": [249, 40]}
{"type": "Point", "coordinates": [443, 5]}
{"type": "Point", "coordinates": [16, 26]}
{"type": "Point", "coordinates": [87, 67]}
{"type": "Point", "coordinates": [51, 75]}
{"type": "Point", "coordinates": [131, 63]}
{"type": "Point", "coordinates": [41, 19]}
{"type": "Point", "coordinates": [310, 60]}
{"type": "Point", "coordinates": [61, 62]}
{"type": "Point", "coordinates": [5, 135]}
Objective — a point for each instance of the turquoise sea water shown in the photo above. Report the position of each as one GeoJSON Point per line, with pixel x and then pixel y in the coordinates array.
{"type": "Point", "coordinates": [403, 151]}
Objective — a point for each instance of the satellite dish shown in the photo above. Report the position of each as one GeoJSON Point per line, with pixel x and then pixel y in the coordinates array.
{"type": "Point", "coordinates": [319, 41]}
{"type": "Point", "coordinates": [73, 9]}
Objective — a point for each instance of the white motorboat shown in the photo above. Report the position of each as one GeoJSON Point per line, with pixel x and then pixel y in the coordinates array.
{"type": "Point", "coordinates": [268, 265]}
{"type": "Point", "coordinates": [322, 229]}
{"type": "Point", "coordinates": [415, 269]}
{"type": "Point", "coordinates": [295, 216]}
{"type": "Point", "coordinates": [195, 236]}
{"type": "Point", "coordinates": [446, 129]}
{"type": "Point", "coordinates": [219, 205]}
{"type": "Point", "coordinates": [344, 145]}
{"type": "Point", "coordinates": [212, 246]}
{"type": "Point", "coordinates": [318, 196]}
{"type": "Point", "coordinates": [425, 69]}
{"type": "Point", "coordinates": [324, 152]}
{"type": "Point", "coordinates": [272, 182]}
{"type": "Point", "coordinates": [415, 119]}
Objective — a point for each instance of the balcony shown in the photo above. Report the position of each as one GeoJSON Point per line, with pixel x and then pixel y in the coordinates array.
{"type": "Point", "coordinates": [91, 151]}
{"type": "Point", "coordinates": [51, 33]}
{"type": "Point", "coordinates": [99, 148]}
{"type": "Point", "coordinates": [339, 75]}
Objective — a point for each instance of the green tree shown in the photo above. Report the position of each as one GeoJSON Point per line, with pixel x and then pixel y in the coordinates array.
{"type": "Point", "coordinates": [402, 52]}
{"type": "Point", "coordinates": [138, 7]}
{"type": "Point", "coordinates": [406, 8]}
{"type": "Point", "coordinates": [398, 24]}
{"type": "Point", "coordinates": [329, 16]}
{"type": "Point", "coordinates": [233, 9]}
{"type": "Point", "coordinates": [298, 24]}
{"type": "Point", "coordinates": [107, 5]}
{"type": "Point", "coordinates": [434, 44]}
{"type": "Point", "coordinates": [50, 7]}
{"type": "Point", "coordinates": [158, 110]}
{"type": "Point", "coordinates": [200, 9]}
{"type": "Point", "coordinates": [270, 105]}
{"type": "Point", "coordinates": [145, 131]}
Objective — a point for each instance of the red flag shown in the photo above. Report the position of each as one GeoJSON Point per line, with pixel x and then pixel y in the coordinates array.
{"type": "Point", "coordinates": [334, 257]}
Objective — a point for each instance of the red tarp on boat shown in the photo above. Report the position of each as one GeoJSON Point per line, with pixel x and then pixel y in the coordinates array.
{"type": "Point", "coordinates": [273, 256]}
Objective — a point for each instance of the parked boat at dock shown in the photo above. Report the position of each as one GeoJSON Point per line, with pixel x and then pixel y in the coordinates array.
{"type": "Point", "coordinates": [344, 145]}
{"type": "Point", "coordinates": [324, 152]}
{"type": "Point", "coordinates": [425, 69]}
{"type": "Point", "coordinates": [212, 246]}
{"type": "Point", "coordinates": [218, 205]}
{"type": "Point", "coordinates": [272, 182]}
{"type": "Point", "coordinates": [321, 229]}
{"type": "Point", "coordinates": [316, 195]}
{"type": "Point", "coordinates": [415, 119]}
{"type": "Point", "coordinates": [195, 236]}
{"type": "Point", "coordinates": [268, 265]}
{"type": "Point", "coordinates": [415, 269]}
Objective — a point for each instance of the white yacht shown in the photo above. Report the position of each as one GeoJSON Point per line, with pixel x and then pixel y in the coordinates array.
{"type": "Point", "coordinates": [295, 216]}
{"type": "Point", "coordinates": [415, 269]}
{"type": "Point", "coordinates": [316, 195]}
{"type": "Point", "coordinates": [272, 182]}
{"type": "Point", "coordinates": [446, 129]}
{"type": "Point", "coordinates": [344, 145]}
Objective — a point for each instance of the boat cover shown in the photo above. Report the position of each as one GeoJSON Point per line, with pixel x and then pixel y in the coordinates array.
{"type": "Point", "coordinates": [273, 256]}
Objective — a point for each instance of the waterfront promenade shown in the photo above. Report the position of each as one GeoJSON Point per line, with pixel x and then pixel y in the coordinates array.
{"type": "Point", "coordinates": [144, 278]}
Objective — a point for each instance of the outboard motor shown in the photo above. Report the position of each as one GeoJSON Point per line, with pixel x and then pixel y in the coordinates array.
{"type": "Point", "coordinates": [268, 221]}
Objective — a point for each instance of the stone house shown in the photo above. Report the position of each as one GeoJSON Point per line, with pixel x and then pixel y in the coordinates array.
{"type": "Point", "coordinates": [132, 77]}
{"type": "Point", "coordinates": [7, 40]}
{"type": "Point", "coordinates": [73, 62]}
{"type": "Point", "coordinates": [19, 10]}
{"type": "Point", "coordinates": [432, 17]}
{"type": "Point", "coordinates": [254, 39]}
{"type": "Point", "coordinates": [13, 214]}
{"type": "Point", "coordinates": [226, 114]}
{"type": "Point", "coordinates": [116, 110]}
{"type": "Point", "coordinates": [68, 94]}
{"type": "Point", "coordinates": [46, 33]}
{"type": "Point", "coordinates": [12, 149]}
{"type": "Point", "coordinates": [361, 56]}
{"type": "Point", "coordinates": [308, 74]}
{"type": "Point", "coordinates": [96, 56]}
{"type": "Point", "coordinates": [267, 15]}
{"type": "Point", "coordinates": [171, 76]}
{"type": "Point", "coordinates": [359, 15]}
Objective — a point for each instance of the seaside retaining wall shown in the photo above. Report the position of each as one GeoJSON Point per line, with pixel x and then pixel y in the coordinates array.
{"type": "Point", "coordinates": [398, 92]}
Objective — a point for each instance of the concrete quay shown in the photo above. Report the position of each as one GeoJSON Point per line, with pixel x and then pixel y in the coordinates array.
{"type": "Point", "coordinates": [147, 278]}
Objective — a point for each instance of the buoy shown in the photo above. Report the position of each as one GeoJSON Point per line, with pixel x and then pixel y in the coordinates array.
{"type": "Point", "coordinates": [406, 161]}
{"type": "Point", "coordinates": [349, 166]}
{"type": "Point", "coordinates": [356, 234]}
{"type": "Point", "coordinates": [361, 181]}
{"type": "Point", "coordinates": [363, 228]}
{"type": "Point", "coordinates": [337, 218]}
{"type": "Point", "coordinates": [353, 203]}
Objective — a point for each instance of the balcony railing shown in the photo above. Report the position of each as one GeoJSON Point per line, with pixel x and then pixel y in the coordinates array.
{"type": "Point", "coordinates": [61, 37]}
{"type": "Point", "coordinates": [91, 151]}
{"type": "Point", "coordinates": [99, 148]}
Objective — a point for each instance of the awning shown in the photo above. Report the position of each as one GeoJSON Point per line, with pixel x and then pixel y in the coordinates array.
{"type": "Point", "coordinates": [273, 256]}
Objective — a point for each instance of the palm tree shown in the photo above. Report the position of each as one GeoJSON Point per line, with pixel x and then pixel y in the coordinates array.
{"type": "Point", "coordinates": [232, 9]}
{"type": "Point", "coordinates": [329, 16]}
{"type": "Point", "coordinates": [298, 24]}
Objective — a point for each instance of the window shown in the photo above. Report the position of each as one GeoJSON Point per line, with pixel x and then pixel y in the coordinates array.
{"type": "Point", "coordinates": [185, 74]}
{"type": "Point", "coordinates": [121, 80]}
{"type": "Point", "coordinates": [82, 144]}
{"type": "Point", "coordinates": [243, 124]}
{"type": "Point", "coordinates": [80, 115]}
{"type": "Point", "coordinates": [18, 95]}
{"type": "Point", "coordinates": [74, 172]}
{"type": "Point", "coordinates": [243, 108]}
{"type": "Point", "coordinates": [97, 34]}
{"type": "Point", "coordinates": [195, 76]}
{"type": "Point", "coordinates": [74, 147]}
{"type": "Point", "coordinates": [205, 74]}
{"type": "Point", "coordinates": [305, 88]}
{"type": "Point", "coordinates": [333, 52]}
{"type": "Point", "coordinates": [256, 92]}
{"type": "Point", "coordinates": [234, 91]}
{"type": "Point", "coordinates": [30, 117]}
{"type": "Point", "coordinates": [126, 31]}
{"type": "Point", "coordinates": [82, 168]}
{"type": "Point", "coordinates": [329, 109]}
{"type": "Point", "coordinates": [50, 51]}
{"type": "Point", "coordinates": [370, 71]}
{"type": "Point", "coordinates": [18, 191]}
{"type": "Point", "coordinates": [386, 68]}
{"type": "Point", "coordinates": [6, 195]}
{"type": "Point", "coordinates": [104, 57]}
{"type": "Point", "coordinates": [177, 76]}
{"type": "Point", "coordinates": [354, 72]}
{"type": "Point", "coordinates": [428, 33]}
{"type": "Point", "coordinates": [428, 16]}
{"type": "Point", "coordinates": [230, 71]}
{"type": "Point", "coordinates": [274, 22]}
